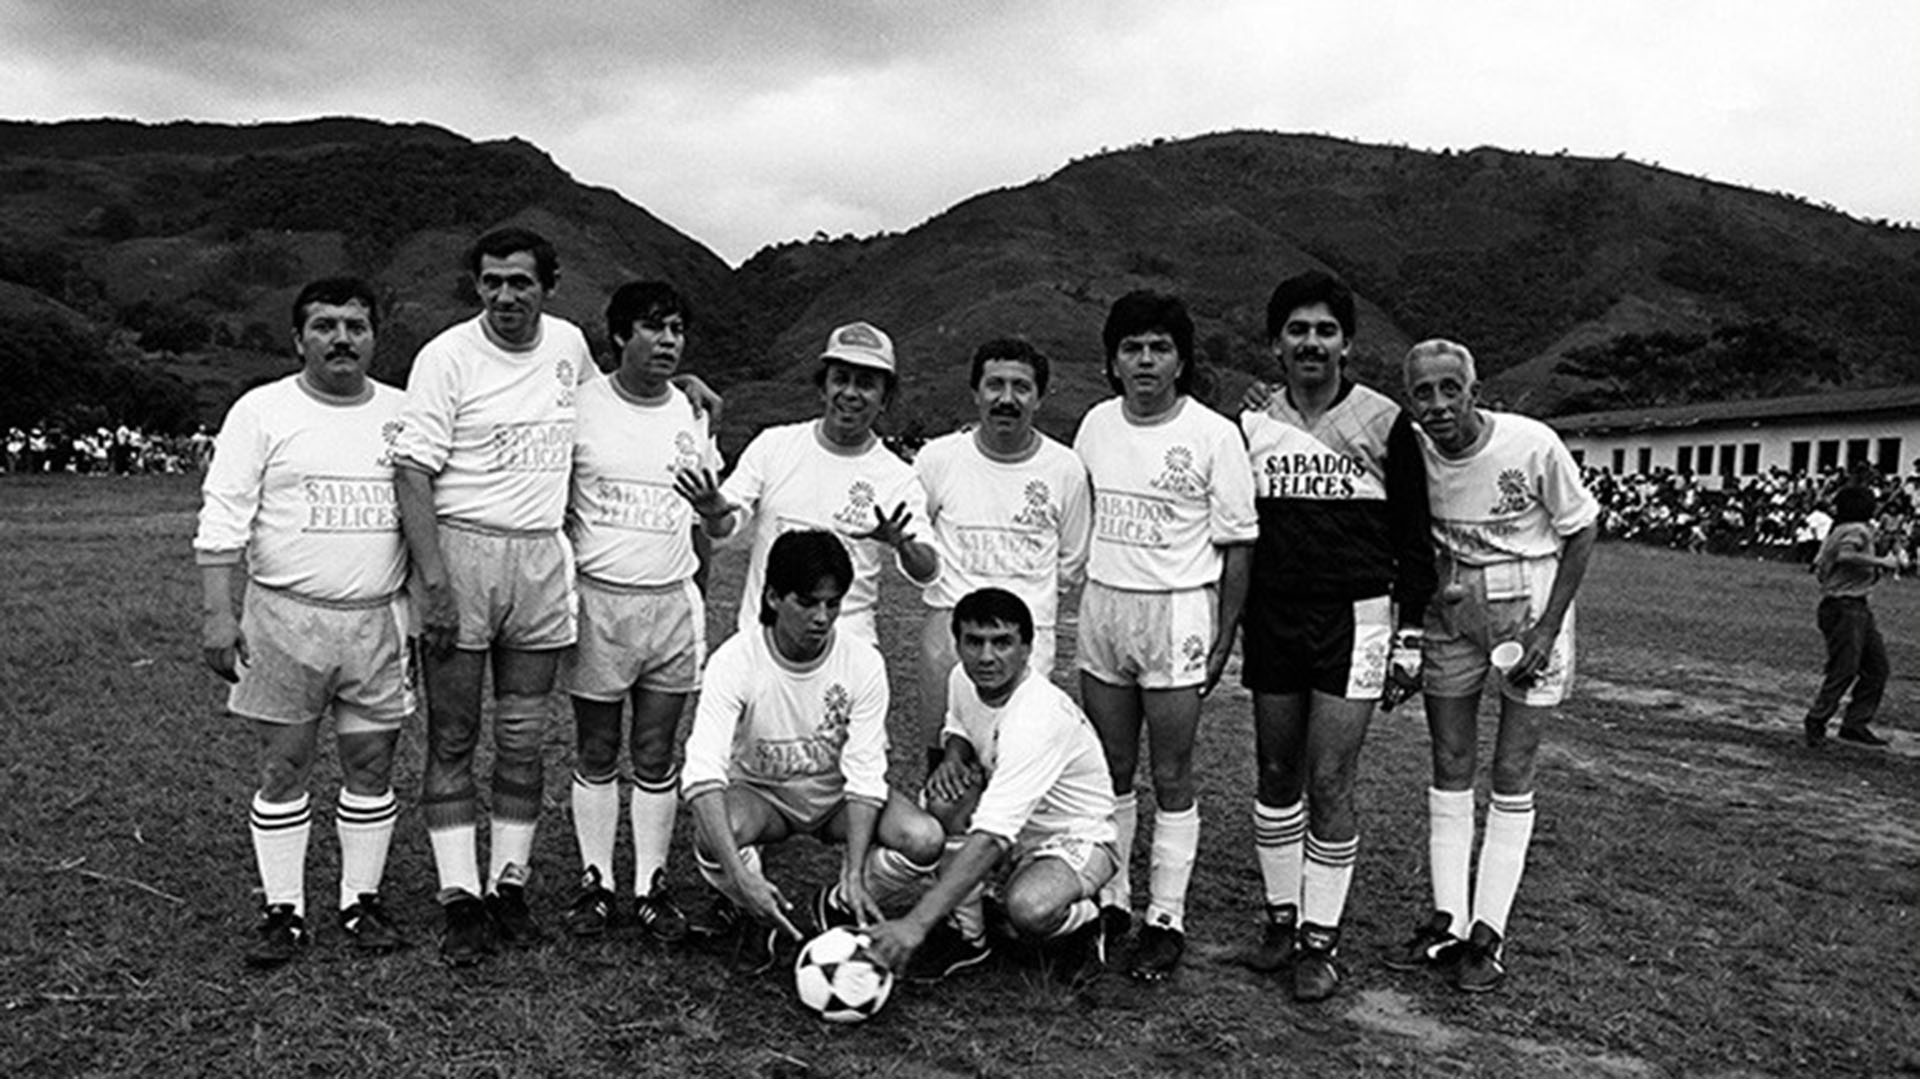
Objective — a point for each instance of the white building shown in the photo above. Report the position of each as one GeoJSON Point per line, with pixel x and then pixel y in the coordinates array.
{"type": "Point", "coordinates": [1732, 440]}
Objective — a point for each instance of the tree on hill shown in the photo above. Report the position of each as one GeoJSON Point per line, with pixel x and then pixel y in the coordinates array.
{"type": "Point", "coordinates": [1742, 361]}
{"type": "Point", "coordinates": [53, 372]}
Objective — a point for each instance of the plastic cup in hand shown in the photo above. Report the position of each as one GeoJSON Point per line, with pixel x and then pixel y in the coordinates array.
{"type": "Point", "coordinates": [1507, 655]}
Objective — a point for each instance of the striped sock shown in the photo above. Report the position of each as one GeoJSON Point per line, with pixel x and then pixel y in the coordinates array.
{"type": "Point", "coordinates": [364, 824]}
{"type": "Point", "coordinates": [1279, 843]}
{"type": "Point", "coordinates": [1329, 873]}
{"type": "Point", "coordinates": [280, 831]}
{"type": "Point", "coordinates": [654, 804]}
{"type": "Point", "coordinates": [1503, 858]}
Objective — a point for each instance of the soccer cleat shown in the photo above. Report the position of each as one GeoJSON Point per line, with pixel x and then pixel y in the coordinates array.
{"type": "Point", "coordinates": [512, 919]}
{"type": "Point", "coordinates": [279, 936]}
{"type": "Point", "coordinates": [1115, 923]}
{"type": "Point", "coordinates": [1080, 957]}
{"type": "Point", "coordinates": [719, 921]}
{"type": "Point", "coordinates": [468, 937]}
{"type": "Point", "coordinates": [1859, 736]}
{"type": "Point", "coordinates": [656, 914]}
{"type": "Point", "coordinates": [1425, 949]}
{"type": "Point", "coordinates": [591, 912]}
{"type": "Point", "coordinates": [1315, 978]}
{"type": "Point", "coordinates": [1157, 953]}
{"type": "Point", "coordinates": [1480, 969]}
{"type": "Point", "coordinates": [945, 952]}
{"type": "Point", "coordinates": [371, 928]}
{"type": "Point", "coordinates": [1276, 948]}
{"type": "Point", "coordinates": [1816, 732]}
{"type": "Point", "coordinates": [758, 949]}
{"type": "Point", "coordinates": [822, 913]}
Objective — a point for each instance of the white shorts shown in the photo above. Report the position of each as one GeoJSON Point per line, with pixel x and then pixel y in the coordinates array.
{"type": "Point", "coordinates": [308, 658]}
{"type": "Point", "coordinates": [1093, 863]}
{"type": "Point", "coordinates": [654, 638]}
{"type": "Point", "coordinates": [1501, 601]}
{"type": "Point", "coordinates": [1154, 640]}
{"type": "Point", "coordinates": [513, 589]}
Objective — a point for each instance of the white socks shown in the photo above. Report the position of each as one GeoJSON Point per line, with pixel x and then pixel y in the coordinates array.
{"type": "Point", "coordinates": [280, 831]}
{"type": "Point", "coordinates": [364, 825]}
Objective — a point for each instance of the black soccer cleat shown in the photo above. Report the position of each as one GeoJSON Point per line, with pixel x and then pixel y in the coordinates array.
{"type": "Point", "coordinates": [279, 937]}
{"type": "Point", "coordinates": [513, 920]}
{"type": "Point", "coordinates": [1277, 945]}
{"type": "Point", "coordinates": [1479, 969]}
{"type": "Point", "coordinates": [371, 927]}
{"type": "Point", "coordinates": [1424, 951]}
{"type": "Point", "coordinates": [1157, 953]}
{"type": "Point", "coordinates": [1315, 977]}
{"type": "Point", "coordinates": [591, 912]}
{"type": "Point", "coordinates": [719, 921]}
{"type": "Point", "coordinates": [656, 914]}
{"type": "Point", "coordinates": [944, 953]}
{"type": "Point", "coordinates": [468, 936]}
{"type": "Point", "coordinates": [1859, 736]}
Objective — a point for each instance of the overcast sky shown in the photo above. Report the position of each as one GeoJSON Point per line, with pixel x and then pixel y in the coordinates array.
{"type": "Point", "coordinates": [749, 122]}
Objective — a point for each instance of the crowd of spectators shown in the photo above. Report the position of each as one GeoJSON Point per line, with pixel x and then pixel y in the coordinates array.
{"type": "Point", "coordinates": [120, 450]}
{"type": "Point", "coordinates": [1774, 515]}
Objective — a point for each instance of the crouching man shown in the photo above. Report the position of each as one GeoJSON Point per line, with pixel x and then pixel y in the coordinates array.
{"type": "Point", "coordinates": [1024, 793]}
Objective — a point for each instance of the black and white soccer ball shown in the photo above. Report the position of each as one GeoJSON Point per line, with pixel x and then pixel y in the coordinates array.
{"type": "Point", "coordinates": [838, 980]}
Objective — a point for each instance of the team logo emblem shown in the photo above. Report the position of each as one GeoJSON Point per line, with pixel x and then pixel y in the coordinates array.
{"type": "Point", "coordinates": [1193, 651]}
{"type": "Point", "coordinates": [1512, 488]}
{"type": "Point", "coordinates": [686, 455]}
{"type": "Point", "coordinates": [1179, 477]}
{"type": "Point", "coordinates": [1039, 511]}
{"type": "Point", "coordinates": [858, 512]}
{"type": "Point", "coordinates": [389, 434]}
{"type": "Point", "coordinates": [838, 704]}
{"type": "Point", "coordinates": [563, 373]}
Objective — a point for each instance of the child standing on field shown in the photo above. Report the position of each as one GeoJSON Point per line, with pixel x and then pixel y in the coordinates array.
{"type": "Point", "coordinates": [1847, 569]}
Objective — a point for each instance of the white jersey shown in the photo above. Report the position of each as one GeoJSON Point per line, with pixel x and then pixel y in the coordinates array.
{"type": "Point", "coordinates": [304, 485]}
{"type": "Point", "coordinates": [628, 525]}
{"type": "Point", "coordinates": [495, 427]}
{"type": "Point", "coordinates": [1046, 774]}
{"type": "Point", "coordinates": [1167, 493]}
{"type": "Point", "coordinates": [790, 478]}
{"type": "Point", "coordinates": [1514, 498]}
{"type": "Point", "coordinates": [1018, 525]}
{"type": "Point", "coordinates": [819, 729]}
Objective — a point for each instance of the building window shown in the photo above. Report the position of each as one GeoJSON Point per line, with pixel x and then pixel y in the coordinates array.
{"type": "Point", "coordinates": [1703, 460]}
{"type": "Point", "coordinates": [1750, 459]}
{"type": "Point", "coordinates": [1726, 459]}
{"type": "Point", "coordinates": [1799, 456]}
{"type": "Point", "coordinates": [1856, 452]}
{"type": "Point", "coordinates": [1828, 455]}
{"type": "Point", "coordinates": [1619, 461]}
{"type": "Point", "coordinates": [1683, 460]}
{"type": "Point", "coordinates": [1646, 460]}
{"type": "Point", "coordinates": [1887, 456]}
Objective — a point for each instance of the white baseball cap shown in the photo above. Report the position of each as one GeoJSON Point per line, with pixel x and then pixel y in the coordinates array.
{"type": "Point", "coordinates": [861, 344]}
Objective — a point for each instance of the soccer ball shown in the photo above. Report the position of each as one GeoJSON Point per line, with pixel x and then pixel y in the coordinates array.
{"type": "Point", "coordinates": [838, 980]}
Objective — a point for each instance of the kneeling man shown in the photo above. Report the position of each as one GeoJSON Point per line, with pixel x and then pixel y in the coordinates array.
{"type": "Point", "coordinates": [790, 739]}
{"type": "Point", "coordinates": [1024, 789]}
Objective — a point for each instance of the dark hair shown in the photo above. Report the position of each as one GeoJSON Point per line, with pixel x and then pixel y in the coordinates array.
{"type": "Point", "coordinates": [338, 291]}
{"type": "Point", "coordinates": [1014, 349]}
{"type": "Point", "coordinates": [501, 243]}
{"type": "Point", "coordinates": [988, 606]}
{"type": "Point", "coordinates": [1854, 504]}
{"type": "Point", "coordinates": [636, 300]}
{"type": "Point", "coordinates": [886, 397]}
{"type": "Point", "coordinates": [1305, 290]}
{"type": "Point", "coordinates": [1146, 311]}
{"type": "Point", "coordinates": [799, 561]}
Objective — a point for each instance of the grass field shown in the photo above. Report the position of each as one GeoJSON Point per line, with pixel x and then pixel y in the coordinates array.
{"type": "Point", "coordinates": [1704, 896]}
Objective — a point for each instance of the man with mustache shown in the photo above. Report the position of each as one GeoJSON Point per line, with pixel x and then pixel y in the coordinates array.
{"type": "Point", "coordinates": [300, 492]}
{"type": "Point", "coordinates": [643, 623]}
{"type": "Point", "coordinates": [484, 458]}
{"type": "Point", "coordinates": [1343, 557]}
{"type": "Point", "coordinates": [1008, 507]}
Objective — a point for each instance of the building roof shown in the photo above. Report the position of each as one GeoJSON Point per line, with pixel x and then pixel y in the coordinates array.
{"type": "Point", "coordinates": [1836, 404]}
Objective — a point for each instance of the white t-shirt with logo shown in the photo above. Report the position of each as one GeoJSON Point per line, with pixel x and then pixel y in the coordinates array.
{"type": "Point", "coordinates": [1046, 774]}
{"type": "Point", "coordinates": [790, 478]}
{"type": "Point", "coordinates": [1514, 498]}
{"type": "Point", "coordinates": [495, 427]}
{"type": "Point", "coordinates": [1018, 525]}
{"type": "Point", "coordinates": [304, 485]}
{"type": "Point", "coordinates": [628, 525]}
{"type": "Point", "coordinates": [1166, 494]}
{"type": "Point", "coordinates": [816, 731]}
